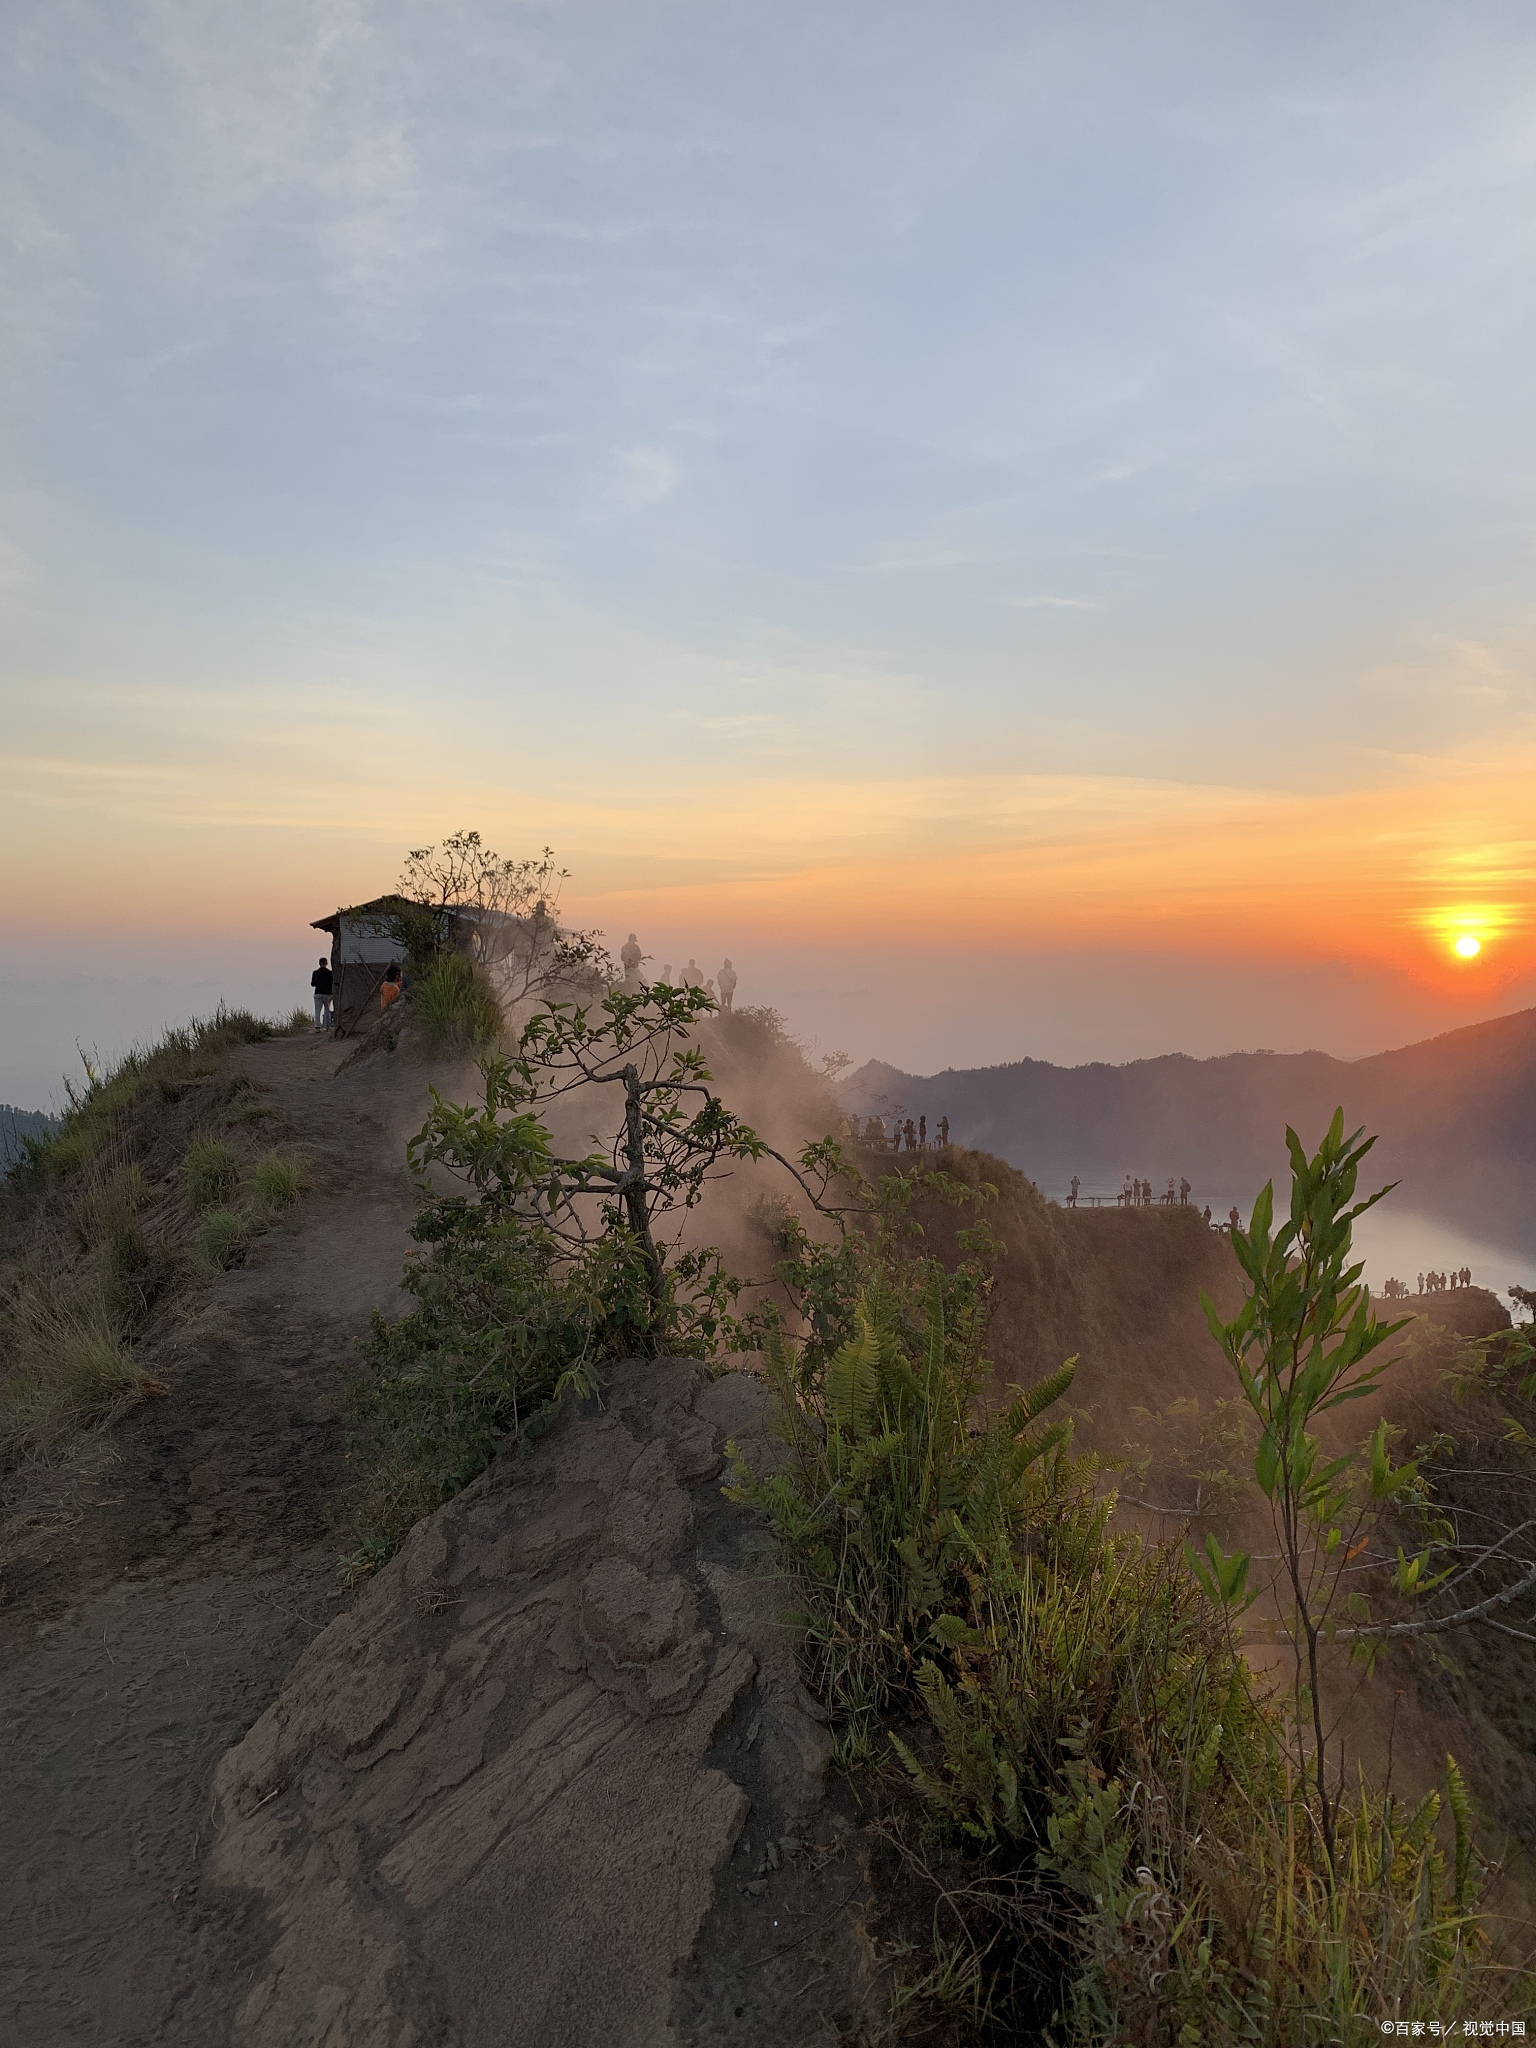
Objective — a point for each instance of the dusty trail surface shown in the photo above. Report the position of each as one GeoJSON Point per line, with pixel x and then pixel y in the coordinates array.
{"type": "Point", "coordinates": [156, 1593]}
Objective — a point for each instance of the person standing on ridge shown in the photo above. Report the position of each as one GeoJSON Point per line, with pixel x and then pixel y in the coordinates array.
{"type": "Point", "coordinates": [922, 1134]}
{"type": "Point", "coordinates": [1072, 1198]}
{"type": "Point", "coordinates": [727, 985]}
{"type": "Point", "coordinates": [323, 982]}
{"type": "Point", "coordinates": [943, 1130]}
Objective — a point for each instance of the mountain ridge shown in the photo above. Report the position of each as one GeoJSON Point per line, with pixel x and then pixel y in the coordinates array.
{"type": "Point", "coordinates": [1455, 1116]}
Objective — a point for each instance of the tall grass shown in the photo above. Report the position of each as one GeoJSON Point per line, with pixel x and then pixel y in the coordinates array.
{"type": "Point", "coordinates": [81, 1266]}
{"type": "Point", "coordinates": [68, 1364]}
{"type": "Point", "coordinates": [455, 1006]}
{"type": "Point", "coordinates": [210, 1173]}
{"type": "Point", "coordinates": [97, 1112]}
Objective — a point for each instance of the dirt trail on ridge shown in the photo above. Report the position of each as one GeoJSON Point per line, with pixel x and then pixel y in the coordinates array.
{"type": "Point", "coordinates": [154, 1598]}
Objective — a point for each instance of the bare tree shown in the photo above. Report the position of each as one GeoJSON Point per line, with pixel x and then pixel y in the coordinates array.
{"type": "Point", "coordinates": [505, 912]}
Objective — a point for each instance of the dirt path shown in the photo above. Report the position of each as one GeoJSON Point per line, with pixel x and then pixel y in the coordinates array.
{"type": "Point", "coordinates": [153, 1606]}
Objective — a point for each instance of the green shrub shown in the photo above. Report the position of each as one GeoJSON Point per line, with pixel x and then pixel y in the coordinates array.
{"type": "Point", "coordinates": [279, 1177]}
{"type": "Point", "coordinates": [210, 1174]}
{"type": "Point", "coordinates": [1069, 1742]}
{"type": "Point", "coordinates": [221, 1239]}
{"type": "Point", "coordinates": [455, 1006]}
{"type": "Point", "coordinates": [501, 1318]}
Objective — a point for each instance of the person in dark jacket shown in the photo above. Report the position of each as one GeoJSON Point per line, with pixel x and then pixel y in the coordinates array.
{"type": "Point", "coordinates": [323, 982]}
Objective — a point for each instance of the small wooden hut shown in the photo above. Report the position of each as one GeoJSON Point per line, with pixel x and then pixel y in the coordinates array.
{"type": "Point", "coordinates": [367, 939]}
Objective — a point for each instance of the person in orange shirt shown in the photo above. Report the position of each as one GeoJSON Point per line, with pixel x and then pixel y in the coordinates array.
{"type": "Point", "coordinates": [390, 987]}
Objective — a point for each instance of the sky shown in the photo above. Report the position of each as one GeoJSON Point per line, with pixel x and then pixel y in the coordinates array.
{"type": "Point", "coordinates": [1015, 523]}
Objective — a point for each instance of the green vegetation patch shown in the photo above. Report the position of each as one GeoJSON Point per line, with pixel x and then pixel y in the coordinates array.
{"type": "Point", "coordinates": [1117, 1830]}
{"type": "Point", "coordinates": [210, 1174]}
{"type": "Point", "coordinates": [455, 1006]}
{"type": "Point", "coordinates": [92, 1237]}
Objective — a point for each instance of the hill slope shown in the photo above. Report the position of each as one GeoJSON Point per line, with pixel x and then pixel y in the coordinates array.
{"type": "Point", "coordinates": [1456, 1117]}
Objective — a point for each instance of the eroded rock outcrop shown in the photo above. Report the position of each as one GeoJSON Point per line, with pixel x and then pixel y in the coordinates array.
{"type": "Point", "coordinates": [553, 1777]}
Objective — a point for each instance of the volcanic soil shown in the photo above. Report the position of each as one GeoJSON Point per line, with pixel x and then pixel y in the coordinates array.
{"type": "Point", "coordinates": [158, 1586]}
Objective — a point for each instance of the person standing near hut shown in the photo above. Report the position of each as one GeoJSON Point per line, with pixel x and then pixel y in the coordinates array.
{"type": "Point", "coordinates": [389, 990]}
{"type": "Point", "coordinates": [323, 982]}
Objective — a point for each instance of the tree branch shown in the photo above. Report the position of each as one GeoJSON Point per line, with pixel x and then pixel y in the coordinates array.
{"type": "Point", "coordinates": [1457, 1620]}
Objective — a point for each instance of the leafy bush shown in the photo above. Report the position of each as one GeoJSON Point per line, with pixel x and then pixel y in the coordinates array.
{"type": "Point", "coordinates": [210, 1174]}
{"type": "Point", "coordinates": [455, 1006]}
{"type": "Point", "coordinates": [548, 1265]}
{"type": "Point", "coordinates": [501, 1319]}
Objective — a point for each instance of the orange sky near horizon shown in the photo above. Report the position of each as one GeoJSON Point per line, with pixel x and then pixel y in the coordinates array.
{"type": "Point", "coordinates": [266, 835]}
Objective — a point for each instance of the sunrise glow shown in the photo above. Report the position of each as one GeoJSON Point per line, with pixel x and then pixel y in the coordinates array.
{"type": "Point", "coordinates": [1468, 947]}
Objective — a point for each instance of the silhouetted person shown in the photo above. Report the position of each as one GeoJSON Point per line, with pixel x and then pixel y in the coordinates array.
{"type": "Point", "coordinates": [1125, 1193]}
{"type": "Point", "coordinates": [1072, 1198]}
{"type": "Point", "coordinates": [1183, 1194]}
{"type": "Point", "coordinates": [1207, 1213]}
{"type": "Point", "coordinates": [727, 986]}
{"type": "Point", "coordinates": [323, 982]}
{"type": "Point", "coordinates": [910, 1129]}
{"type": "Point", "coordinates": [692, 976]}
{"type": "Point", "coordinates": [1421, 1283]}
{"type": "Point", "coordinates": [943, 1130]}
{"type": "Point", "coordinates": [1232, 1218]}
{"type": "Point", "coordinates": [630, 957]}
{"type": "Point", "coordinates": [922, 1134]}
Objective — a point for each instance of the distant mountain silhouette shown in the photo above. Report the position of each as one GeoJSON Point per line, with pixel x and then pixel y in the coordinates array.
{"type": "Point", "coordinates": [16, 1124]}
{"type": "Point", "coordinates": [1456, 1118]}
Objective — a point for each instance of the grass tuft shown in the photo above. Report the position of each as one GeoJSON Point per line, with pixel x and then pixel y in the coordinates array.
{"type": "Point", "coordinates": [279, 1177]}
{"type": "Point", "coordinates": [455, 1006]}
{"type": "Point", "coordinates": [222, 1237]}
{"type": "Point", "coordinates": [69, 1366]}
{"type": "Point", "coordinates": [210, 1174]}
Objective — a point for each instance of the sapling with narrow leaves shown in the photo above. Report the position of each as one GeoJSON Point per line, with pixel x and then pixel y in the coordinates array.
{"type": "Point", "coordinates": [1305, 1343]}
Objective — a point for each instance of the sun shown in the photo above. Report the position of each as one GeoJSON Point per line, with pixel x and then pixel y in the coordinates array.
{"type": "Point", "coordinates": [1468, 947]}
